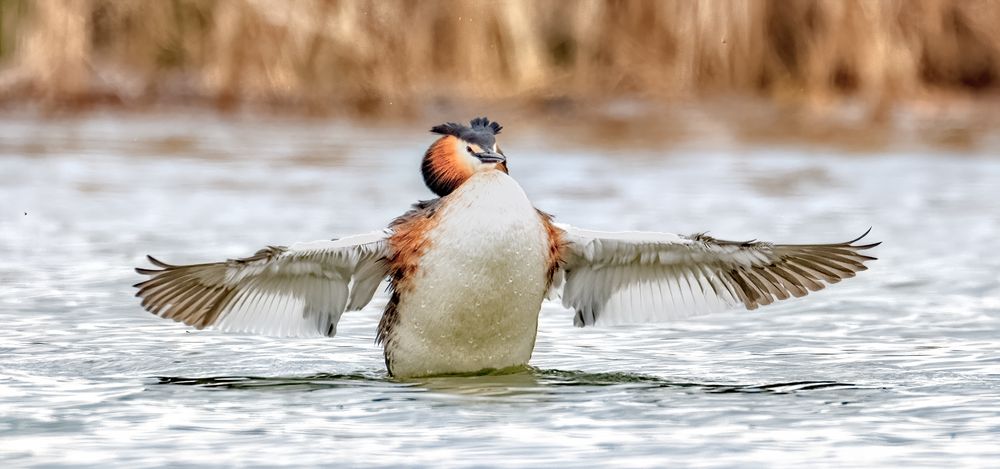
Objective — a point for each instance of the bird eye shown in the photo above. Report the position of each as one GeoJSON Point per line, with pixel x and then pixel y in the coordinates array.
{"type": "Point", "coordinates": [469, 149]}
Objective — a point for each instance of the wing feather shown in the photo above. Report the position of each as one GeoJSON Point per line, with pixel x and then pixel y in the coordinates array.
{"type": "Point", "coordinates": [608, 277]}
{"type": "Point", "coordinates": [301, 290]}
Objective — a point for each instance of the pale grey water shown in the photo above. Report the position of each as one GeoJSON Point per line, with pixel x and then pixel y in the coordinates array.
{"type": "Point", "coordinates": [898, 366]}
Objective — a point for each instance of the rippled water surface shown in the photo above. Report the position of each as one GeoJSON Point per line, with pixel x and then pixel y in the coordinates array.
{"type": "Point", "coordinates": [898, 366]}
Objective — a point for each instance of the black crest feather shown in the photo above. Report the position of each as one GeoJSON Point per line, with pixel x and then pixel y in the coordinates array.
{"type": "Point", "coordinates": [449, 128]}
{"type": "Point", "coordinates": [480, 130]}
{"type": "Point", "coordinates": [482, 123]}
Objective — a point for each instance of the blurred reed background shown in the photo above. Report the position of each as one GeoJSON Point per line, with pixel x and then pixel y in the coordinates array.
{"type": "Point", "coordinates": [394, 56]}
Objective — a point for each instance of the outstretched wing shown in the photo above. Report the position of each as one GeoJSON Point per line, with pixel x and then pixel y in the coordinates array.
{"type": "Point", "coordinates": [297, 291]}
{"type": "Point", "coordinates": [637, 277]}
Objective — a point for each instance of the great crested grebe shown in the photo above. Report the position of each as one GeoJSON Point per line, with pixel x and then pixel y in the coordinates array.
{"type": "Point", "coordinates": [469, 270]}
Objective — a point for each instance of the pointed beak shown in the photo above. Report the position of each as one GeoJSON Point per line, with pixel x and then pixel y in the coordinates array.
{"type": "Point", "coordinates": [489, 156]}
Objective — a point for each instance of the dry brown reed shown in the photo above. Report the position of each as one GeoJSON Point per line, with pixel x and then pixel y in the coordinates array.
{"type": "Point", "coordinates": [371, 55]}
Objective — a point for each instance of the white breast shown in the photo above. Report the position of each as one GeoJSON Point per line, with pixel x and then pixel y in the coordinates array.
{"type": "Point", "coordinates": [478, 288]}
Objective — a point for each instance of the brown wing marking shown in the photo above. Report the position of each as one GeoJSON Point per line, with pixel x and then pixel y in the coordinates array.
{"type": "Point", "coordinates": [556, 246]}
{"type": "Point", "coordinates": [407, 244]}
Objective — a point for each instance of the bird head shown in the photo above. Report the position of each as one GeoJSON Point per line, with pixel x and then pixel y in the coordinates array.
{"type": "Point", "coordinates": [461, 152]}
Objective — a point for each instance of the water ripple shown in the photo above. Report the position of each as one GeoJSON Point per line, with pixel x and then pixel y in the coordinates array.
{"type": "Point", "coordinates": [898, 367]}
